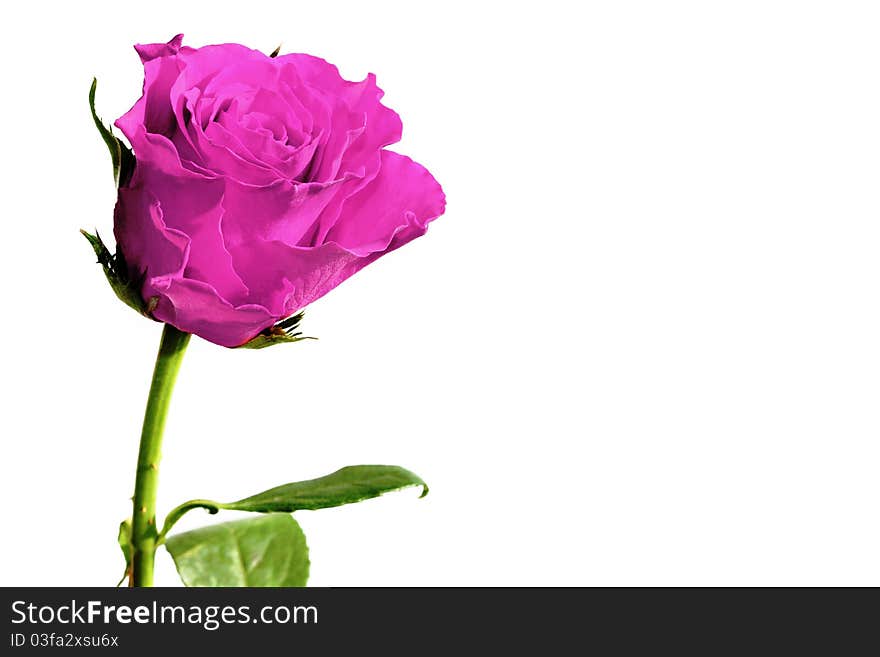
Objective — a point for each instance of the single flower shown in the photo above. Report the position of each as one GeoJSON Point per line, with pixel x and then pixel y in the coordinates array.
{"type": "Point", "coordinates": [260, 184]}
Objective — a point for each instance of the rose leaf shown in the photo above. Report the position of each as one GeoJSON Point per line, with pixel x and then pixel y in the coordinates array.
{"type": "Point", "coordinates": [267, 550]}
{"type": "Point", "coordinates": [351, 484]}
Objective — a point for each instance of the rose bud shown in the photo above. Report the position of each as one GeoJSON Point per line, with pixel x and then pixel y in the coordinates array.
{"type": "Point", "coordinates": [260, 184]}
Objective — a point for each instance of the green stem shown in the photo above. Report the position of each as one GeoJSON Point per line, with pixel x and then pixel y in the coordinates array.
{"type": "Point", "coordinates": [144, 535]}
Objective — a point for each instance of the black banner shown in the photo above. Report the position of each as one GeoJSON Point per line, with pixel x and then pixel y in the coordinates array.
{"type": "Point", "coordinates": [437, 621]}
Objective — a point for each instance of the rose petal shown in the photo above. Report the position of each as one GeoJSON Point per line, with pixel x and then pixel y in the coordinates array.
{"type": "Point", "coordinates": [193, 207]}
{"type": "Point", "coordinates": [403, 195]}
{"type": "Point", "coordinates": [150, 51]}
{"type": "Point", "coordinates": [222, 64]}
{"type": "Point", "coordinates": [283, 211]}
{"type": "Point", "coordinates": [287, 278]}
{"type": "Point", "coordinates": [195, 307]}
{"type": "Point", "coordinates": [152, 112]}
{"type": "Point", "coordinates": [371, 124]}
{"type": "Point", "coordinates": [150, 248]}
{"type": "Point", "coordinates": [391, 211]}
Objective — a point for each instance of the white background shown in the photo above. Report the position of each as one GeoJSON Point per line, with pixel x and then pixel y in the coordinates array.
{"type": "Point", "coordinates": [641, 347]}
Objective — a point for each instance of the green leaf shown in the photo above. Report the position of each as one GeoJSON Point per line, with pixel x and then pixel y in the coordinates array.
{"type": "Point", "coordinates": [116, 271]}
{"type": "Point", "coordinates": [120, 154]}
{"type": "Point", "coordinates": [267, 550]}
{"type": "Point", "coordinates": [283, 331]}
{"type": "Point", "coordinates": [350, 484]}
{"type": "Point", "coordinates": [124, 540]}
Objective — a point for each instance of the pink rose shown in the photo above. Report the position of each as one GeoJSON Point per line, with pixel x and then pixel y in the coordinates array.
{"type": "Point", "coordinates": [261, 184]}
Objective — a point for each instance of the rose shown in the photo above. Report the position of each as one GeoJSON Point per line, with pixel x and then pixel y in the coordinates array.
{"type": "Point", "coordinates": [260, 184]}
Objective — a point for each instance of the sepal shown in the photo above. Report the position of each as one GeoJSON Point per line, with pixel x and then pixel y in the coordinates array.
{"type": "Point", "coordinates": [116, 271]}
{"type": "Point", "coordinates": [280, 333]}
{"type": "Point", "coordinates": [120, 155]}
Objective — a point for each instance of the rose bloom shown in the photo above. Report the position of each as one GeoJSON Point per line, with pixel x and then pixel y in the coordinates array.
{"type": "Point", "coordinates": [261, 184]}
